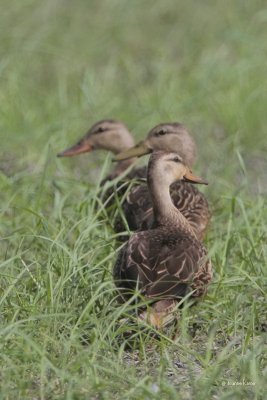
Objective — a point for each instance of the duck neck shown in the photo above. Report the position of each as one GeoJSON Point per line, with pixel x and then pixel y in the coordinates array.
{"type": "Point", "coordinates": [165, 211]}
{"type": "Point", "coordinates": [121, 166]}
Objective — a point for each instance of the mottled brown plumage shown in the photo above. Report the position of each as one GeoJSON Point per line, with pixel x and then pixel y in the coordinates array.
{"type": "Point", "coordinates": [166, 262]}
{"type": "Point", "coordinates": [187, 198]}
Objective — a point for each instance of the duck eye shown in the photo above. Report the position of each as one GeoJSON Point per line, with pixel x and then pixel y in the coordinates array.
{"type": "Point", "coordinates": [176, 159]}
{"type": "Point", "coordinates": [99, 130]}
{"type": "Point", "coordinates": [161, 133]}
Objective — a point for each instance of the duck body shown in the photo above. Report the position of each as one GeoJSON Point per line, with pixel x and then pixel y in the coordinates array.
{"type": "Point", "coordinates": [167, 262]}
{"type": "Point", "coordinates": [163, 263]}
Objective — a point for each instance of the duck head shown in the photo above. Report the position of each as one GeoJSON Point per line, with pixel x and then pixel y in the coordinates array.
{"type": "Point", "coordinates": [107, 134]}
{"type": "Point", "coordinates": [172, 137]}
{"type": "Point", "coordinates": [168, 167]}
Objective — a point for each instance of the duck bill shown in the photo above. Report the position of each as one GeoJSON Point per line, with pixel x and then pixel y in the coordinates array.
{"type": "Point", "coordinates": [137, 151]}
{"type": "Point", "coordinates": [189, 177]}
{"type": "Point", "coordinates": [78, 148]}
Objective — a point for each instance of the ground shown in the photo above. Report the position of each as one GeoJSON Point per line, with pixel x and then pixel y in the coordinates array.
{"type": "Point", "coordinates": [65, 65]}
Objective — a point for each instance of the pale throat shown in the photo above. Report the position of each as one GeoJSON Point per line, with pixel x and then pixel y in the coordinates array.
{"type": "Point", "coordinates": [165, 211]}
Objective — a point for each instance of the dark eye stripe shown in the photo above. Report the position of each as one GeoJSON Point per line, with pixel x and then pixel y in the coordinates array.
{"type": "Point", "coordinates": [175, 159]}
{"type": "Point", "coordinates": [161, 133]}
{"type": "Point", "coordinates": [100, 130]}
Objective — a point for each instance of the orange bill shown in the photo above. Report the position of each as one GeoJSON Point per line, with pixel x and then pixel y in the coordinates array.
{"type": "Point", "coordinates": [79, 148]}
{"type": "Point", "coordinates": [190, 177]}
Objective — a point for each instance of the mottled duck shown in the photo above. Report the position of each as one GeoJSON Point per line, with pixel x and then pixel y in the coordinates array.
{"type": "Point", "coordinates": [165, 263]}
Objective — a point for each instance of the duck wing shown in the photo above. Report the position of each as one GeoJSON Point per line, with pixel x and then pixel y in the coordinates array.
{"type": "Point", "coordinates": [162, 265]}
{"type": "Point", "coordinates": [186, 197]}
{"type": "Point", "coordinates": [193, 205]}
{"type": "Point", "coordinates": [138, 208]}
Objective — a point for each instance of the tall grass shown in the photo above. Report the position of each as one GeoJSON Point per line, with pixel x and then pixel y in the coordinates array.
{"type": "Point", "coordinates": [63, 66]}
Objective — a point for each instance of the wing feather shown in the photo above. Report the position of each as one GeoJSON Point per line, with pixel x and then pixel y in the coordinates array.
{"type": "Point", "coordinates": [186, 197]}
{"type": "Point", "coordinates": [162, 267]}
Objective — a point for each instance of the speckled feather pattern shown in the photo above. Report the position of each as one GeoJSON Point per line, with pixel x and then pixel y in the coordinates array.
{"type": "Point", "coordinates": [186, 197]}
{"type": "Point", "coordinates": [166, 264]}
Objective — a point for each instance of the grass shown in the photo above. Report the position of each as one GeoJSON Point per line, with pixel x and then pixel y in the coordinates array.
{"type": "Point", "coordinates": [65, 65]}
